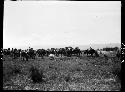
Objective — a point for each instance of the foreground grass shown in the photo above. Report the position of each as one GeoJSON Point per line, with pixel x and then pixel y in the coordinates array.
{"type": "Point", "coordinates": [66, 74]}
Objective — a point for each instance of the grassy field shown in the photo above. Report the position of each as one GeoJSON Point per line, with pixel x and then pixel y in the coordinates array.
{"type": "Point", "coordinates": [62, 74]}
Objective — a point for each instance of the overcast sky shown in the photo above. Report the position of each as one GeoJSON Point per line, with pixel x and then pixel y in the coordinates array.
{"type": "Point", "coordinates": [61, 23]}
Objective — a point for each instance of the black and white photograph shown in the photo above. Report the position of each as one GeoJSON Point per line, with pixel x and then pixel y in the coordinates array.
{"type": "Point", "coordinates": [61, 45]}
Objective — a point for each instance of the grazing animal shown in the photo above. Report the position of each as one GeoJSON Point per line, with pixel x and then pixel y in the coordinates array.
{"type": "Point", "coordinates": [91, 52]}
{"type": "Point", "coordinates": [24, 55]}
{"type": "Point", "coordinates": [77, 51]}
{"type": "Point", "coordinates": [69, 51]}
{"type": "Point", "coordinates": [31, 53]}
{"type": "Point", "coordinates": [16, 53]}
{"type": "Point", "coordinates": [41, 53]}
{"type": "Point", "coordinates": [61, 52]}
{"type": "Point", "coordinates": [6, 51]}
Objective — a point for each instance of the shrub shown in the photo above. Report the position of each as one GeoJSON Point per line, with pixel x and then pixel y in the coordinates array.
{"type": "Point", "coordinates": [36, 75]}
{"type": "Point", "coordinates": [67, 78]}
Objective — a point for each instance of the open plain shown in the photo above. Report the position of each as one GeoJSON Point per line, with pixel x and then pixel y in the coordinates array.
{"type": "Point", "coordinates": [82, 73]}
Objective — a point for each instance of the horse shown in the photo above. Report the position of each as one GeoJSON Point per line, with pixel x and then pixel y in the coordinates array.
{"type": "Point", "coordinates": [91, 52]}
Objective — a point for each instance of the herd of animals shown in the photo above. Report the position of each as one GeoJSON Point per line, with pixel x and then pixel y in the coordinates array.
{"type": "Point", "coordinates": [58, 52]}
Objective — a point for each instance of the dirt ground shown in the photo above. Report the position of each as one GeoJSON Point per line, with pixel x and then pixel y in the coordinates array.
{"type": "Point", "coordinates": [63, 74]}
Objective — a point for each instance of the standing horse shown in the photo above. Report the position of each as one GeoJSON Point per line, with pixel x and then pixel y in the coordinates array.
{"type": "Point", "coordinates": [31, 53]}
{"type": "Point", "coordinates": [77, 51]}
{"type": "Point", "coordinates": [91, 52]}
{"type": "Point", "coordinates": [41, 53]}
{"type": "Point", "coordinates": [24, 55]}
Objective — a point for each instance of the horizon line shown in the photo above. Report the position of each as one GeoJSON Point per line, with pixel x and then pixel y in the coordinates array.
{"type": "Point", "coordinates": [59, 46]}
